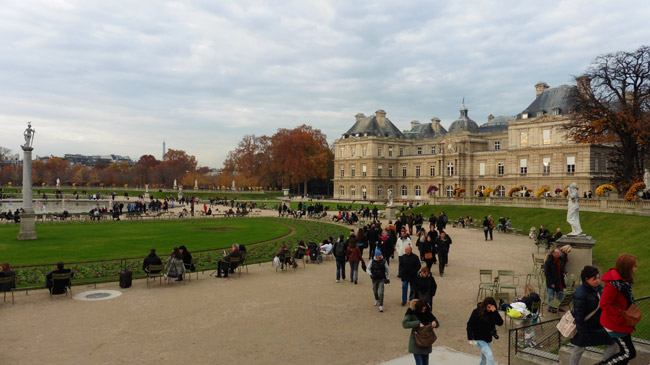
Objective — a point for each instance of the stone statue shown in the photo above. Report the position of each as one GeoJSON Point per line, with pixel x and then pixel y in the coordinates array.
{"type": "Point", "coordinates": [573, 211]}
{"type": "Point", "coordinates": [196, 184]}
{"type": "Point", "coordinates": [29, 135]}
{"type": "Point", "coordinates": [58, 182]}
{"type": "Point", "coordinates": [646, 179]}
{"type": "Point", "coordinates": [232, 186]}
{"type": "Point", "coordinates": [390, 197]}
{"type": "Point", "coordinates": [175, 185]}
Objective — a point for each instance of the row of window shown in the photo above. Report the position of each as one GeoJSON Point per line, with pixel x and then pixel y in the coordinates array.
{"type": "Point", "coordinates": [523, 168]}
{"type": "Point", "coordinates": [419, 150]}
{"type": "Point", "coordinates": [449, 191]}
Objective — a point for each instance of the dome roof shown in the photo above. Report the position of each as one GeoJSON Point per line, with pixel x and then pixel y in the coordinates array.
{"type": "Point", "coordinates": [463, 123]}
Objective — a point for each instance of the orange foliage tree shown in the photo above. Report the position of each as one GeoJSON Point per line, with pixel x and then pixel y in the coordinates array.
{"type": "Point", "coordinates": [612, 106]}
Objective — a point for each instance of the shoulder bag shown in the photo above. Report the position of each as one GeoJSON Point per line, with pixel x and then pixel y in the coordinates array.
{"type": "Point", "coordinates": [632, 315]}
{"type": "Point", "coordinates": [425, 336]}
{"type": "Point", "coordinates": [567, 325]}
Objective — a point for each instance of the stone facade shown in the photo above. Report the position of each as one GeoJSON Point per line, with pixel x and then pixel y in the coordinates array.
{"type": "Point", "coordinates": [529, 150]}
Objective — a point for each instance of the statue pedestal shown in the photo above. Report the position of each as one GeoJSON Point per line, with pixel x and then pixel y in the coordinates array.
{"type": "Point", "coordinates": [27, 227]}
{"type": "Point", "coordinates": [580, 254]}
{"type": "Point", "coordinates": [390, 212]}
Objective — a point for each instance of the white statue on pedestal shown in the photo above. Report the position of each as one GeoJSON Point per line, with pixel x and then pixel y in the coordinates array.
{"type": "Point", "coordinates": [58, 182]}
{"type": "Point", "coordinates": [390, 197]}
{"type": "Point", "coordinates": [175, 185]}
{"type": "Point", "coordinates": [29, 135]}
{"type": "Point", "coordinates": [232, 186]}
{"type": "Point", "coordinates": [196, 184]}
{"type": "Point", "coordinates": [573, 211]}
{"type": "Point", "coordinates": [646, 179]}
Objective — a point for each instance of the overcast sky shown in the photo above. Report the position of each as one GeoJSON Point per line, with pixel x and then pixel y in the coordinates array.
{"type": "Point", "coordinates": [102, 77]}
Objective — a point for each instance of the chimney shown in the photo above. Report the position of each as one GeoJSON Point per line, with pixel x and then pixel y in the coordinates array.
{"type": "Point", "coordinates": [359, 116]}
{"type": "Point", "coordinates": [584, 85]}
{"type": "Point", "coordinates": [540, 87]}
{"type": "Point", "coordinates": [381, 116]}
{"type": "Point", "coordinates": [414, 123]}
{"type": "Point", "coordinates": [435, 124]}
{"type": "Point", "coordinates": [490, 117]}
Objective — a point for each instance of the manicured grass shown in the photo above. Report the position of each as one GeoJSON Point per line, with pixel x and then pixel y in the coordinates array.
{"type": "Point", "coordinates": [91, 241]}
{"type": "Point", "coordinates": [614, 233]}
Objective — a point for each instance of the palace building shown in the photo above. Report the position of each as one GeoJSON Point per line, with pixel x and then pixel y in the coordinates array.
{"type": "Point", "coordinates": [529, 150]}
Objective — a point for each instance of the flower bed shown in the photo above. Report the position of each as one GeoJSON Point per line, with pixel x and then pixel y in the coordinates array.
{"type": "Point", "coordinates": [631, 194]}
{"type": "Point", "coordinates": [604, 189]}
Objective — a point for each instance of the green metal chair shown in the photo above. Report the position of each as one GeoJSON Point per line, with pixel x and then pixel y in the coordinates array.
{"type": "Point", "coordinates": [486, 283]}
{"type": "Point", "coordinates": [506, 280]}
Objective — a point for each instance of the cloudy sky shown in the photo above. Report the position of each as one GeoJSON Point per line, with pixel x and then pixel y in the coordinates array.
{"type": "Point", "coordinates": [102, 77]}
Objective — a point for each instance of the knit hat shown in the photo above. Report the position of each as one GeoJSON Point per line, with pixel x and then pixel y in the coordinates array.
{"type": "Point", "coordinates": [377, 252]}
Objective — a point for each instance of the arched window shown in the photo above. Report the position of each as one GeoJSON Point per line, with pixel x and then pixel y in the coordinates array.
{"type": "Point", "coordinates": [380, 191]}
{"type": "Point", "coordinates": [404, 191]}
{"type": "Point", "coordinates": [363, 191]}
{"type": "Point", "coordinates": [501, 191]}
{"type": "Point", "coordinates": [450, 191]}
{"type": "Point", "coordinates": [479, 189]}
{"type": "Point", "coordinates": [418, 191]}
{"type": "Point", "coordinates": [353, 191]}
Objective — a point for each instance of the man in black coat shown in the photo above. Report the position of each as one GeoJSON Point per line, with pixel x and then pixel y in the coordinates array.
{"type": "Point", "coordinates": [152, 259]}
{"type": "Point", "coordinates": [409, 265]}
{"type": "Point", "coordinates": [224, 265]}
{"type": "Point", "coordinates": [442, 247]}
{"type": "Point", "coordinates": [555, 271]}
{"type": "Point", "coordinates": [58, 286]}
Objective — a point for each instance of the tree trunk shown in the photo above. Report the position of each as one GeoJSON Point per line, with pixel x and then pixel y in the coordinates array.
{"type": "Point", "coordinates": [305, 190]}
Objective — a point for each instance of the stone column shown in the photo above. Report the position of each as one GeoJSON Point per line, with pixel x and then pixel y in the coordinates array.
{"type": "Point", "coordinates": [27, 218]}
{"type": "Point", "coordinates": [580, 254]}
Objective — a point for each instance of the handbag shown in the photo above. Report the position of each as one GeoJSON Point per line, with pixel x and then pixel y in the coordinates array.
{"type": "Point", "coordinates": [425, 336]}
{"type": "Point", "coordinates": [428, 255]}
{"type": "Point", "coordinates": [363, 265]}
{"type": "Point", "coordinates": [567, 325]}
{"type": "Point", "coordinates": [172, 272]}
{"type": "Point", "coordinates": [632, 315]}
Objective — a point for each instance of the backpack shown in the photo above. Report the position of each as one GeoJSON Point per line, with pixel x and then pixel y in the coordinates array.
{"type": "Point", "coordinates": [339, 250]}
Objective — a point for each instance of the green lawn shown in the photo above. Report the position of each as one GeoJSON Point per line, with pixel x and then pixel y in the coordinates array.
{"type": "Point", "coordinates": [73, 242]}
{"type": "Point", "coordinates": [614, 233]}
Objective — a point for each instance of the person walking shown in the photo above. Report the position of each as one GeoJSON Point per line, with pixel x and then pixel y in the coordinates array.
{"type": "Point", "coordinates": [402, 242]}
{"type": "Point", "coordinates": [432, 237]}
{"type": "Point", "coordinates": [490, 226]}
{"type": "Point", "coordinates": [409, 265]}
{"type": "Point", "coordinates": [617, 298]}
{"type": "Point", "coordinates": [340, 251]}
{"type": "Point", "coordinates": [555, 271]}
{"type": "Point", "coordinates": [486, 227]}
{"type": "Point", "coordinates": [425, 286]}
{"type": "Point", "coordinates": [353, 256]}
{"type": "Point", "coordinates": [587, 312]}
{"type": "Point", "coordinates": [379, 272]}
{"type": "Point", "coordinates": [419, 315]}
{"type": "Point", "coordinates": [373, 239]}
{"type": "Point", "coordinates": [481, 327]}
{"type": "Point", "coordinates": [442, 246]}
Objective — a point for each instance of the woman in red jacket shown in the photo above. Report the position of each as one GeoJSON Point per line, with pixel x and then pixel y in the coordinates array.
{"type": "Point", "coordinates": [616, 298]}
{"type": "Point", "coordinates": [353, 256]}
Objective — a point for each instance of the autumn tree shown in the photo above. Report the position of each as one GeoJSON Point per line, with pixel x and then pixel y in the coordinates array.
{"type": "Point", "coordinates": [177, 163]}
{"type": "Point", "coordinates": [299, 155]}
{"type": "Point", "coordinates": [612, 106]}
{"type": "Point", "coordinates": [248, 164]}
{"type": "Point", "coordinates": [145, 170]}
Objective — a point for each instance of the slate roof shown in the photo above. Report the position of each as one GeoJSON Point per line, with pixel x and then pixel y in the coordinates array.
{"type": "Point", "coordinates": [463, 123]}
{"type": "Point", "coordinates": [558, 97]}
{"type": "Point", "coordinates": [420, 131]}
{"type": "Point", "coordinates": [372, 127]}
{"type": "Point", "coordinates": [499, 123]}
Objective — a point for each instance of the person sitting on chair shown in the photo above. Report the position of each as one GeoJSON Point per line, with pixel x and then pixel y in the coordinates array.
{"type": "Point", "coordinates": [152, 259]}
{"type": "Point", "coordinates": [224, 265]}
{"type": "Point", "coordinates": [187, 258]}
{"type": "Point", "coordinates": [59, 286]}
{"type": "Point", "coordinates": [5, 271]}
{"type": "Point", "coordinates": [300, 251]}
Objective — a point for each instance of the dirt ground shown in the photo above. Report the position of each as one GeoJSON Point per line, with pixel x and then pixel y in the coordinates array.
{"type": "Point", "coordinates": [262, 317]}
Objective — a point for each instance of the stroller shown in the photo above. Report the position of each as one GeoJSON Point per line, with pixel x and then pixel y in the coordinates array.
{"type": "Point", "coordinates": [314, 253]}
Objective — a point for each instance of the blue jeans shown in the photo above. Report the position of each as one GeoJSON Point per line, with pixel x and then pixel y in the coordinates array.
{"type": "Point", "coordinates": [551, 294]}
{"type": "Point", "coordinates": [340, 269]}
{"type": "Point", "coordinates": [354, 271]}
{"type": "Point", "coordinates": [405, 287]}
{"type": "Point", "coordinates": [486, 352]}
{"type": "Point", "coordinates": [421, 359]}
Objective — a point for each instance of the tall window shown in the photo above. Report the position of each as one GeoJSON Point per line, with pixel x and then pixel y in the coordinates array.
{"type": "Point", "coordinates": [401, 151]}
{"type": "Point", "coordinates": [596, 164]}
{"type": "Point", "coordinates": [342, 171]}
{"type": "Point", "coordinates": [418, 191]}
{"type": "Point", "coordinates": [390, 151]}
{"type": "Point", "coordinates": [523, 139]}
{"type": "Point", "coordinates": [419, 150]}
{"type": "Point", "coordinates": [379, 151]}
{"type": "Point", "coordinates": [352, 171]}
{"type": "Point", "coordinates": [403, 171]}
{"type": "Point", "coordinates": [546, 136]}
{"type": "Point", "coordinates": [342, 151]}
{"type": "Point", "coordinates": [500, 169]}
{"type": "Point", "coordinates": [433, 150]}
{"type": "Point", "coordinates": [380, 170]}
{"type": "Point", "coordinates": [342, 190]}
{"type": "Point", "coordinates": [417, 171]}
{"type": "Point", "coordinates": [390, 171]}
{"type": "Point", "coordinates": [432, 170]}
{"type": "Point", "coordinates": [404, 191]}
{"type": "Point", "coordinates": [497, 145]}
{"type": "Point", "coordinates": [450, 169]}
{"type": "Point", "coordinates": [363, 171]}
{"type": "Point", "coordinates": [481, 169]}
{"type": "Point", "coordinates": [546, 165]}
{"type": "Point", "coordinates": [352, 150]}
{"type": "Point", "coordinates": [523, 166]}
{"type": "Point", "coordinates": [353, 191]}
{"type": "Point", "coordinates": [450, 191]}
{"type": "Point", "coordinates": [363, 151]}
{"type": "Point", "coordinates": [571, 164]}
{"type": "Point", "coordinates": [380, 191]}
{"type": "Point", "coordinates": [501, 191]}
{"type": "Point", "coordinates": [363, 191]}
